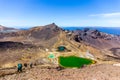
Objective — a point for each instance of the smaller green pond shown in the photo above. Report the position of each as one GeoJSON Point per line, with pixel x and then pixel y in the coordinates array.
{"type": "Point", "coordinates": [73, 61]}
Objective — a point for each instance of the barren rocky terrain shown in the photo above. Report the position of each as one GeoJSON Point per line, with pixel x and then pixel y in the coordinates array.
{"type": "Point", "coordinates": [96, 72]}
{"type": "Point", "coordinates": [36, 44]}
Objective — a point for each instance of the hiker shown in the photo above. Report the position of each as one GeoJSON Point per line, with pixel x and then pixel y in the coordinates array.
{"type": "Point", "coordinates": [84, 65]}
{"type": "Point", "coordinates": [25, 64]}
{"type": "Point", "coordinates": [19, 67]}
{"type": "Point", "coordinates": [59, 68]}
{"type": "Point", "coordinates": [31, 65]}
{"type": "Point", "coordinates": [35, 64]}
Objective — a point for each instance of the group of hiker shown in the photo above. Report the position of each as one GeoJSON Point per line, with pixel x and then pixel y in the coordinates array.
{"type": "Point", "coordinates": [25, 65]}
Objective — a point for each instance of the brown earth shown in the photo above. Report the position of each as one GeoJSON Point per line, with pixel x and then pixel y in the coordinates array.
{"type": "Point", "coordinates": [35, 44]}
{"type": "Point", "coordinates": [96, 72]}
{"type": "Point", "coordinates": [31, 45]}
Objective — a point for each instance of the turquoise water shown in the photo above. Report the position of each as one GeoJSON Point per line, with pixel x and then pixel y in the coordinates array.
{"type": "Point", "coordinates": [74, 61]}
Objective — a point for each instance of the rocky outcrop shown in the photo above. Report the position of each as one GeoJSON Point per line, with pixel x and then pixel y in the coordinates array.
{"type": "Point", "coordinates": [97, 39]}
{"type": "Point", "coordinates": [45, 32]}
{"type": "Point", "coordinates": [14, 45]}
{"type": "Point", "coordinates": [39, 35]}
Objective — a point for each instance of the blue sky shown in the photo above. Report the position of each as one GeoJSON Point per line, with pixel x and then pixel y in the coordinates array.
{"type": "Point", "coordinates": [62, 12]}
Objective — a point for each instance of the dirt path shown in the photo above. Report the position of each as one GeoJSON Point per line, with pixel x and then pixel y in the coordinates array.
{"type": "Point", "coordinates": [98, 72]}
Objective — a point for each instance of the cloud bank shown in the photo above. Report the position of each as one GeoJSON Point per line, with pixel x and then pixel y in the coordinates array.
{"type": "Point", "coordinates": [116, 14]}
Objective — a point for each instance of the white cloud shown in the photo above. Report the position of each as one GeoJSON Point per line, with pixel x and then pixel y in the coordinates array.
{"type": "Point", "coordinates": [117, 14]}
{"type": "Point", "coordinates": [106, 19]}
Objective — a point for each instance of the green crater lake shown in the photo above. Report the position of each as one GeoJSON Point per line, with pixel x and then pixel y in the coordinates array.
{"type": "Point", "coordinates": [74, 61]}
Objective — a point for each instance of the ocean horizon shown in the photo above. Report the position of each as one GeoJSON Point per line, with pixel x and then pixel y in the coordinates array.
{"type": "Point", "coordinates": [109, 30]}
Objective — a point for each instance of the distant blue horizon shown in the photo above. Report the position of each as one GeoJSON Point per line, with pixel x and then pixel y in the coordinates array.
{"type": "Point", "coordinates": [109, 30]}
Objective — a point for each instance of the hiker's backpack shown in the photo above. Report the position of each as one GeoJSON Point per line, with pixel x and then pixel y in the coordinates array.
{"type": "Point", "coordinates": [19, 66]}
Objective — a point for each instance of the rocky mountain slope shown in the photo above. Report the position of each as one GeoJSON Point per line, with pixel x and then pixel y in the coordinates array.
{"type": "Point", "coordinates": [4, 29]}
{"type": "Point", "coordinates": [39, 35]}
{"type": "Point", "coordinates": [99, 40]}
{"type": "Point", "coordinates": [14, 46]}
{"type": "Point", "coordinates": [38, 42]}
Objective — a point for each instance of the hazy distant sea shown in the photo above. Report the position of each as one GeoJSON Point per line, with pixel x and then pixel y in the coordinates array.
{"type": "Point", "coordinates": [109, 30]}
